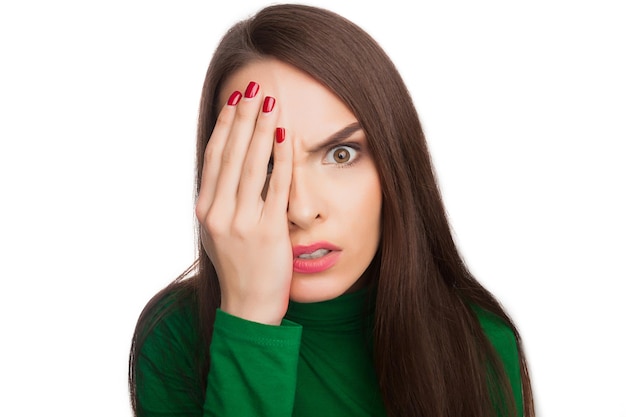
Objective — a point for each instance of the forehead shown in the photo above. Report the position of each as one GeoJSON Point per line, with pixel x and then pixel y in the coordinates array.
{"type": "Point", "coordinates": [308, 109]}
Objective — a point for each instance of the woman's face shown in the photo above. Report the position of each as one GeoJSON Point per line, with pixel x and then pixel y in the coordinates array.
{"type": "Point", "coordinates": [335, 200]}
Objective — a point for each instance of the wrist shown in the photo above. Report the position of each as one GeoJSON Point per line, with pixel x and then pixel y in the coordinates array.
{"type": "Point", "coordinates": [263, 315]}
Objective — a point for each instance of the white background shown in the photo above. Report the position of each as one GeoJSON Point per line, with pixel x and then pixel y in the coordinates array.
{"type": "Point", "coordinates": [523, 105]}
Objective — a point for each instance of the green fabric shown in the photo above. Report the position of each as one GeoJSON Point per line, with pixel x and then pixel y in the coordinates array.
{"type": "Point", "coordinates": [318, 362]}
{"type": "Point", "coordinates": [503, 340]}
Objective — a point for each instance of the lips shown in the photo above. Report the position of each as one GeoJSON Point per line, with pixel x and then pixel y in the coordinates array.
{"type": "Point", "coordinates": [315, 258]}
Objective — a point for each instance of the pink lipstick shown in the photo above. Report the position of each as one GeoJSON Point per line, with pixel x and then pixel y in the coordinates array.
{"type": "Point", "coordinates": [318, 257]}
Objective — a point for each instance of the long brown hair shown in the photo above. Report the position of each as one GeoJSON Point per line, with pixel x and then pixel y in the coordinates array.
{"type": "Point", "coordinates": [431, 356]}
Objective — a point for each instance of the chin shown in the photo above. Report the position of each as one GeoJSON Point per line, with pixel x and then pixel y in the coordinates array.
{"type": "Point", "coordinates": [309, 289]}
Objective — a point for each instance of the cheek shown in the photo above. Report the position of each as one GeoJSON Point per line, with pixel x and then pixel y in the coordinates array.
{"type": "Point", "coordinates": [362, 206]}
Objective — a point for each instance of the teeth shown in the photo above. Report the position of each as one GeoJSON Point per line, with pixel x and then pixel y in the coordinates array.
{"type": "Point", "coordinates": [317, 254]}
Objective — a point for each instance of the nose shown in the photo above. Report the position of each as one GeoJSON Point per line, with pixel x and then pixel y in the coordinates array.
{"type": "Point", "coordinates": [305, 201]}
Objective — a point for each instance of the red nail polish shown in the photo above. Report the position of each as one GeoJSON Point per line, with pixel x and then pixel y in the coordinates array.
{"type": "Point", "coordinates": [280, 134]}
{"type": "Point", "coordinates": [252, 89]}
{"type": "Point", "coordinates": [268, 104]}
{"type": "Point", "coordinates": [234, 98]}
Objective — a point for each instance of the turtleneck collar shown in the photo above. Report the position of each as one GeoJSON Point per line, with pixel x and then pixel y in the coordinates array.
{"type": "Point", "coordinates": [346, 313]}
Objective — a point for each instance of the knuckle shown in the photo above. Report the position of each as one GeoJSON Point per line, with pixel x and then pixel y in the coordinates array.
{"type": "Point", "coordinates": [199, 210]}
{"type": "Point", "coordinates": [214, 224]}
{"type": "Point", "coordinates": [253, 170]}
{"type": "Point", "coordinates": [245, 112]}
{"type": "Point", "coordinates": [228, 156]}
{"type": "Point", "coordinates": [264, 128]}
{"type": "Point", "coordinates": [223, 121]}
{"type": "Point", "coordinates": [240, 228]}
{"type": "Point", "coordinates": [209, 155]}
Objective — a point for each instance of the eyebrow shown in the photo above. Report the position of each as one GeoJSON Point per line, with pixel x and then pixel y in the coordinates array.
{"type": "Point", "coordinates": [337, 137]}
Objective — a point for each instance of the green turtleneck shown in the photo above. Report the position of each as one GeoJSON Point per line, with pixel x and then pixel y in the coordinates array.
{"type": "Point", "coordinates": [318, 362]}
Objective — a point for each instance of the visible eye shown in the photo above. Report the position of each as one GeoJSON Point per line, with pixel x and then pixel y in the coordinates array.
{"type": "Point", "coordinates": [341, 155]}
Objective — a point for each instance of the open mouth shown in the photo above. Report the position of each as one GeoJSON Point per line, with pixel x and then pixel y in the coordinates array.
{"type": "Point", "coordinates": [314, 255]}
{"type": "Point", "coordinates": [315, 258]}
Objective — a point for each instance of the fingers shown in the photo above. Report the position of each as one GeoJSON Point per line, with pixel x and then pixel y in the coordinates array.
{"type": "Point", "coordinates": [236, 159]}
{"type": "Point", "coordinates": [277, 197]}
{"type": "Point", "coordinates": [238, 144]}
{"type": "Point", "coordinates": [213, 155]}
{"type": "Point", "coordinates": [254, 170]}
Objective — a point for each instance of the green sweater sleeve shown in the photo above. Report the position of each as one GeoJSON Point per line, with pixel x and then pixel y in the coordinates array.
{"type": "Point", "coordinates": [253, 368]}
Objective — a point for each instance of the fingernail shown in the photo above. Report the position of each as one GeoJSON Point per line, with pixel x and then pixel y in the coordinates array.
{"type": "Point", "coordinates": [268, 104]}
{"type": "Point", "coordinates": [280, 134]}
{"type": "Point", "coordinates": [234, 98]}
{"type": "Point", "coordinates": [252, 89]}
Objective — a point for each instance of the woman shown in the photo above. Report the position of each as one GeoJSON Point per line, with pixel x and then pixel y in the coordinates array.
{"type": "Point", "coordinates": [328, 282]}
